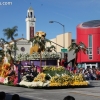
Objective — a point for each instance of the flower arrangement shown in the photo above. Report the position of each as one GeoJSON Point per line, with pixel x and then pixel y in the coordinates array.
{"type": "Point", "coordinates": [36, 56]}
{"type": "Point", "coordinates": [5, 69]}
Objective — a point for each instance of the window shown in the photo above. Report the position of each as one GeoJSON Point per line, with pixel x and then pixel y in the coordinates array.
{"type": "Point", "coordinates": [31, 14]}
{"type": "Point", "coordinates": [88, 66]}
{"type": "Point", "coordinates": [89, 51]}
{"type": "Point", "coordinates": [98, 50]}
{"type": "Point", "coordinates": [22, 49]}
{"type": "Point", "coordinates": [90, 41]}
{"type": "Point", "coordinates": [90, 57]}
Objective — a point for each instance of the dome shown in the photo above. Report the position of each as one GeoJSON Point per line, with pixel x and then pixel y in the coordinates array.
{"type": "Point", "coordinates": [93, 23]}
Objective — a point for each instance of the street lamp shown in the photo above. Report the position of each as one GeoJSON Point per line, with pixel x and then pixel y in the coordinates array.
{"type": "Point", "coordinates": [63, 31]}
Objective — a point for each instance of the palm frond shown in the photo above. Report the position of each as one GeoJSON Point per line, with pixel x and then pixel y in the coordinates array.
{"type": "Point", "coordinates": [10, 32]}
{"type": "Point", "coordinates": [16, 34]}
{"type": "Point", "coordinates": [14, 29]}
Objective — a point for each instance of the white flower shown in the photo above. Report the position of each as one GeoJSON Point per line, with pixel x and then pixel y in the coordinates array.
{"type": "Point", "coordinates": [5, 80]}
{"type": "Point", "coordinates": [57, 74]}
{"type": "Point", "coordinates": [49, 75]}
{"type": "Point", "coordinates": [46, 83]}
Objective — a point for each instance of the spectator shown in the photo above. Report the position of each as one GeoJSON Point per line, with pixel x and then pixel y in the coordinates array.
{"type": "Point", "coordinates": [2, 95]}
{"type": "Point", "coordinates": [15, 97]}
{"type": "Point", "coordinates": [69, 98]}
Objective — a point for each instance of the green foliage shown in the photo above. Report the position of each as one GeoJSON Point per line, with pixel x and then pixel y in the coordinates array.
{"type": "Point", "coordinates": [77, 47]}
{"type": "Point", "coordinates": [1, 55]}
{"type": "Point", "coordinates": [10, 33]}
{"type": "Point", "coordinates": [50, 49]}
{"type": "Point", "coordinates": [54, 72]}
{"type": "Point", "coordinates": [41, 42]}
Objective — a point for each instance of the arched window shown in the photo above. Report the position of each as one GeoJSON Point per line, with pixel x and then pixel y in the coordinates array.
{"type": "Point", "coordinates": [31, 14]}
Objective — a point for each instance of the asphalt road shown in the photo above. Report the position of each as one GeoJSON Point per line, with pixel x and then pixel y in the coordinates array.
{"type": "Point", "coordinates": [51, 94]}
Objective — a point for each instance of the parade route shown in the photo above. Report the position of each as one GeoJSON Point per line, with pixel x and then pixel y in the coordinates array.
{"type": "Point", "coordinates": [52, 94]}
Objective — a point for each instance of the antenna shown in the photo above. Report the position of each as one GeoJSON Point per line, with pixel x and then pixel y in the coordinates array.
{"type": "Point", "coordinates": [22, 35]}
{"type": "Point", "coordinates": [30, 3]}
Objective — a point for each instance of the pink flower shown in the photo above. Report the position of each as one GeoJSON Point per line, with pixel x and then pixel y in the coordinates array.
{"type": "Point", "coordinates": [15, 81]}
{"type": "Point", "coordinates": [1, 79]}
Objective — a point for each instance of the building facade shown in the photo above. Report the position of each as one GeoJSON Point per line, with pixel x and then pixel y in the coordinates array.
{"type": "Point", "coordinates": [58, 41]}
{"type": "Point", "coordinates": [89, 34]}
{"type": "Point", "coordinates": [22, 44]}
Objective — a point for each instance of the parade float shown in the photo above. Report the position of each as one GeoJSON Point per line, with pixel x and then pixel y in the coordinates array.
{"type": "Point", "coordinates": [52, 77]}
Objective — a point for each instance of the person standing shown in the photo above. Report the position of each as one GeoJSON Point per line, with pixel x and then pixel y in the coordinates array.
{"type": "Point", "coordinates": [19, 65]}
{"type": "Point", "coordinates": [64, 62]}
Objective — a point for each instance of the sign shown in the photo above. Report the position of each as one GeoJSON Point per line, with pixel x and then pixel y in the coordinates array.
{"type": "Point", "coordinates": [63, 50]}
{"type": "Point", "coordinates": [31, 32]}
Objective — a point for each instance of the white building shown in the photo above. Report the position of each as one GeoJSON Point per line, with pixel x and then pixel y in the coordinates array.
{"type": "Point", "coordinates": [30, 23]}
{"type": "Point", "coordinates": [23, 46]}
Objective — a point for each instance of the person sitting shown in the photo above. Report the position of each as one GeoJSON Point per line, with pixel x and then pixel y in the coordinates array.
{"type": "Point", "coordinates": [15, 97]}
{"type": "Point", "coordinates": [69, 98]}
{"type": "Point", "coordinates": [2, 95]}
{"type": "Point", "coordinates": [34, 72]}
{"type": "Point", "coordinates": [32, 65]}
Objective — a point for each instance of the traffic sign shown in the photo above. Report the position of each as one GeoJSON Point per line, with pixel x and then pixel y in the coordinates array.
{"type": "Point", "coordinates": [63, 50]}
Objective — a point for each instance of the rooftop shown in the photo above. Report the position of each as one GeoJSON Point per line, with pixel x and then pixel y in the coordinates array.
{"type": "Point", "coordinates": [93, 23]}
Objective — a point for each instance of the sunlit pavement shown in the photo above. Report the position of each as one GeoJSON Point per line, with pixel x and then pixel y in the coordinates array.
{"type": "Point", "coordinates": [52, 94]}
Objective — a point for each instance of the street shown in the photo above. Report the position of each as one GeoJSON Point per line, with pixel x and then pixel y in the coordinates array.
{"type": "Point", "coordinates": [52, 94]}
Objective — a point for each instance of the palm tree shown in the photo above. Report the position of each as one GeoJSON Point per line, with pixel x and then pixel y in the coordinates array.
{"type": "Point", "coordinates": [77, 48]}
{"type": "Point", "coordinates": [40, 42]}
{"type": "Point", "coordinates": [50, 49]}
{"type": "Point", "coordinates": [11, 48]}
{"type": "Point", "coordinates": [10, 33]}
{"type": "Point", "coordinates": [2, 43]}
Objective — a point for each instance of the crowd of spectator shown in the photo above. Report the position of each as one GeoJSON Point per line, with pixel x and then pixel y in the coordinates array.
{"type": "Point", "coordinates": [17, 97]}
{"type": "Point", "coordinates": [90, 73]}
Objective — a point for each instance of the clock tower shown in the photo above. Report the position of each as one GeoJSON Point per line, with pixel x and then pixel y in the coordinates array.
{"type": "Point", "coordinates": [30, 23]}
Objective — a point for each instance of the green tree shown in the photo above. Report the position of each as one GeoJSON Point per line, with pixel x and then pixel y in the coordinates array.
{"type": "Point", "coordinates": [10, 49]}
{"type": "Point", "coordinates": [2, 53]}
{"type": "Point", "coordinates": [41, 43]}
{"type": "Point", "coordinates": [50, 49]}
{"type": "Point", "coordinates": [10, 33]}
{"type": "Point", "coordinates": [77, 48]}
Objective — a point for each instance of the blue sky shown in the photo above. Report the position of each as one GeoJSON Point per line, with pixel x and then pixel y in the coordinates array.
{"type": "Point", "coordinates": [68, 12]}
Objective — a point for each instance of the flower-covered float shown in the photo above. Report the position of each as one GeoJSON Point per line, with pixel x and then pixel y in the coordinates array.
{"type": "Point", "coordinates": [55, 77]}
{"type": "Point", "coordinates": [6, 67]}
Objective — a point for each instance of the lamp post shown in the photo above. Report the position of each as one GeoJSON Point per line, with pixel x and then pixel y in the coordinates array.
{"type": "Point", "coordinates": [63, 31]}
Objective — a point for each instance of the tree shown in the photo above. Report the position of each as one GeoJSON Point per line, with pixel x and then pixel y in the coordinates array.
{"type": "Point", "coordinates": [10, 33]}
{"type": "Point", "coordinates": [10, 48]}
{"type": "Point", "coordinates": [2, 53]}
{"type": "Point", "coordinates": [40, 42]}
{"type": "Point", "coordinates": [77, 48]}
{"type": "Point", "coordinates": [50, 49]}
